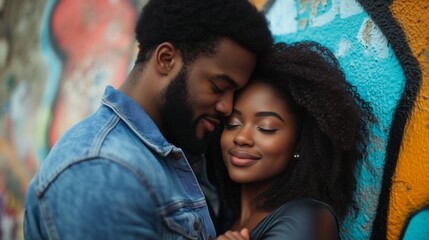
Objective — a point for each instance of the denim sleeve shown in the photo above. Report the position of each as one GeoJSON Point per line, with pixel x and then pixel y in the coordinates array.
{"type": "Point", "coordinates": [98, 199]}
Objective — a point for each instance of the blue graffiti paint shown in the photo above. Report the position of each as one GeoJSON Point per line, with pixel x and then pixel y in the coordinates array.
{"type": "Point", "coordinates": [51, 87]}
{"type": "Point", "coordinates": [418, 227]}
{"type": "Point", "coordinates": [370, 64]}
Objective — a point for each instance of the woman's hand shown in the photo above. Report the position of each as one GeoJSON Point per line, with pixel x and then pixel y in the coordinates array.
{"type": "Point", "coordinates": [235, 235]}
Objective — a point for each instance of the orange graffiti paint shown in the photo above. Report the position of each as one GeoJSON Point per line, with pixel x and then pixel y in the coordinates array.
{"type": "Point", "coordinates": [410, 191]}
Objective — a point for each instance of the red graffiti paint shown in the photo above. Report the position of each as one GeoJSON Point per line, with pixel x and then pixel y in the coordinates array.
{"type": "Point", "coordinates": [94, 39]}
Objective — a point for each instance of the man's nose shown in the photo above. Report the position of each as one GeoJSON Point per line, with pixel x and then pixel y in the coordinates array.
{"type": "Point", "coordinates": [224, 105]}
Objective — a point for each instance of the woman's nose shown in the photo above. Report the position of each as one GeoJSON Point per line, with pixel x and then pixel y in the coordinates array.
{"type": "Point", "coordinates": [244, 137]}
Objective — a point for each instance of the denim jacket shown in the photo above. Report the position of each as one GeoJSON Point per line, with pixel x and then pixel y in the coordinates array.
{"type": "Point", "coordinates": [114, 176]}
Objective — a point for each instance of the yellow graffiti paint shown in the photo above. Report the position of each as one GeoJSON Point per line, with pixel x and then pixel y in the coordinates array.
{"type": "Point", "coordinates": [259, 3]}
{"type": "Point", "coordinates": [410, 191]}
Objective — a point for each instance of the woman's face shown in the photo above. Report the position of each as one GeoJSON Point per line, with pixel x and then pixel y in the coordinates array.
{"type": "Point", "coordinates": [259, 137]}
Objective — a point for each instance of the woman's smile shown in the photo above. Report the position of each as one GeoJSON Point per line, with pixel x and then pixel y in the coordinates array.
{"type": "Point", "coordinates": [240, 158]}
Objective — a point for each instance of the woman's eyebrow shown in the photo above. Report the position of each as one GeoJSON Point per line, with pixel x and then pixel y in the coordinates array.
{"type": "Point", "coordinates": [269, 114]}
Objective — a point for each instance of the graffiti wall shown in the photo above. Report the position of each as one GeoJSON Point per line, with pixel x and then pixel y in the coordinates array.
{"type": "Point", "coordinates": [383, 47]}
{"type": "Point", "coordinates": [55, 59]}
{"type": "Point", "coordinates": [56, 56]}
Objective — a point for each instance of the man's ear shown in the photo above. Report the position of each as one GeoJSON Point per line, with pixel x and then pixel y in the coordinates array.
{"type": "Point", "coordinates": [167, 58]}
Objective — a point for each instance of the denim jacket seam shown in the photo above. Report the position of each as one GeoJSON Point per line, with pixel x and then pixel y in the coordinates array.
{"type": "Point", "coordinates": [49, 224]}
{"type": "Point", "coordinates": [95, 149]}
{"type": "Point", "coordinates": [163, 210]}
{"type": "Point", "coordinates": [41, 187]}
{"type": "Point", "coordinates": [172, 207]}
{"type": "Point", "coordinates": [140, 176]}
{"type": "Point", "coordinates": [101, 136]}
{"type": "Point", "coordinates": [163, 152]}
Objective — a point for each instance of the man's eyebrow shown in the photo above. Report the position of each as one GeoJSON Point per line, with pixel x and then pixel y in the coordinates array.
{"type": "Point", "coordinates": [228, 79]}
{"type": "Point", "coordinates": [269, 114]}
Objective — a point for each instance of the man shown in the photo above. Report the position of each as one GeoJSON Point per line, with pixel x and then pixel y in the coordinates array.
{"type": "Point", "coordinates": [121, 173]}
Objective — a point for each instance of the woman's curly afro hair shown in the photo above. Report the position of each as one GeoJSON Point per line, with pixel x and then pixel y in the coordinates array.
{"type": "Point", "coordinates": [195, 26]}
{"type": "Point", "coordinates": [334, 129]}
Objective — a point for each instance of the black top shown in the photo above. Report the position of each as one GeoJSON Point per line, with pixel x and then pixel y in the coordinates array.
{"type": "Point", "coordinates": [303, 219]}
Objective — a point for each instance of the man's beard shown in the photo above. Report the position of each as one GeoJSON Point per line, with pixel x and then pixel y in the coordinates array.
{"type": "Point", "coordinates": [176, 115]}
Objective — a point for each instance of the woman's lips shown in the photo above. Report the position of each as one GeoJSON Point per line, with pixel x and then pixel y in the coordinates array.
{"type": "Point", "coordinates": [243, 158]}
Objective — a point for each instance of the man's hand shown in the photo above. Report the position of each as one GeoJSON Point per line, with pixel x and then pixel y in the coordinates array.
{"type": "Point", "coordinates": [235, 235]}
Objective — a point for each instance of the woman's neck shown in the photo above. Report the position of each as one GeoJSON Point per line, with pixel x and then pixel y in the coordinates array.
{"type": "Point", "coordinates": [250, 215]}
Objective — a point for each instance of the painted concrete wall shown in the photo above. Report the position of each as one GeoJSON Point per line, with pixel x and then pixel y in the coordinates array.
{"type": "Point", "coordinates": [383, 47]}
{"type": "Point", "coordinates": [55, 59]}
{"type": "Point", "coordinates": [56, 56]}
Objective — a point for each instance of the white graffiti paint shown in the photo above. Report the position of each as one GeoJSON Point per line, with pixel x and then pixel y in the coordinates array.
{"type": "Point", "coordinates": [343, 48]}
{"type": "Point", "coordinates": [283, 17]}
{"type": "Point", "coordinates": [329, 16]}
{"type": "Point", "coordinates": [349, 8]}
{"type": "Point", "coordinates": [372, 39]}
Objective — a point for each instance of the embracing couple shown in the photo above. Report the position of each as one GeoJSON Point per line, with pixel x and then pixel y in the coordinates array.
{"type": "Point", "coordinates": [279, 126]}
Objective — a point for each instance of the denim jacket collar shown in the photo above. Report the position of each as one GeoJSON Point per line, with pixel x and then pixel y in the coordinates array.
{"type": "Point", "coordinates": [137, 120]}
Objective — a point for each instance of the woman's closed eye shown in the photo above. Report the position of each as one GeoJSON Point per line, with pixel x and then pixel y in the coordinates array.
{"type": "Point", "coordinates": [267, 130]}
{"type": "Point", "coordinates": [231, 125]}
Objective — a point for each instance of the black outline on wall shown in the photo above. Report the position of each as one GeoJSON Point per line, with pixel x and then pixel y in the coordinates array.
{"type": "Point", "coordinates": [380, 14]}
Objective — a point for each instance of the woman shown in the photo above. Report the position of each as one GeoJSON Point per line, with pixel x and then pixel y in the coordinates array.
{"type": "Point", "coordinates": [291, 146]}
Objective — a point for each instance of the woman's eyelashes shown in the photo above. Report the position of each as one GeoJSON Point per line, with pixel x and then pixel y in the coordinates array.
{"type": "Point", "coordinates": [230, 125]}
{"type": "Point", "coordinates": [235, 125]}
{"type": "Point", "coordinates": [267, 130]}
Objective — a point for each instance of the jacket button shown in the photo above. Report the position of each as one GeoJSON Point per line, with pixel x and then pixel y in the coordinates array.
{"type": "Point", "coordinates": [176, 155]}
{"type": "Point", "coordinates": [196, 226]}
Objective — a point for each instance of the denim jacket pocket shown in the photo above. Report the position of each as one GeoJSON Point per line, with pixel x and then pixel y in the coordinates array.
{"type": "Point", "coordinates": [184, 222]}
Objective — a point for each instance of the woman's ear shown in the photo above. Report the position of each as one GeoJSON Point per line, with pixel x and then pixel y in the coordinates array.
{"type": "Point", "coordinates": [167, 58]}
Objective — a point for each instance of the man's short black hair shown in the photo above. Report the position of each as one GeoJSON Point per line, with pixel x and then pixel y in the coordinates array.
{"type": "Point", "coordinates": [195, 26]}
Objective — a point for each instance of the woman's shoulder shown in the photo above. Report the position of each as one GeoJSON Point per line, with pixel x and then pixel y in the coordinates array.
{"type": "Point", "coordinates": [303, 204]}
{"type": "Point", "coordinates": [304, 218]}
